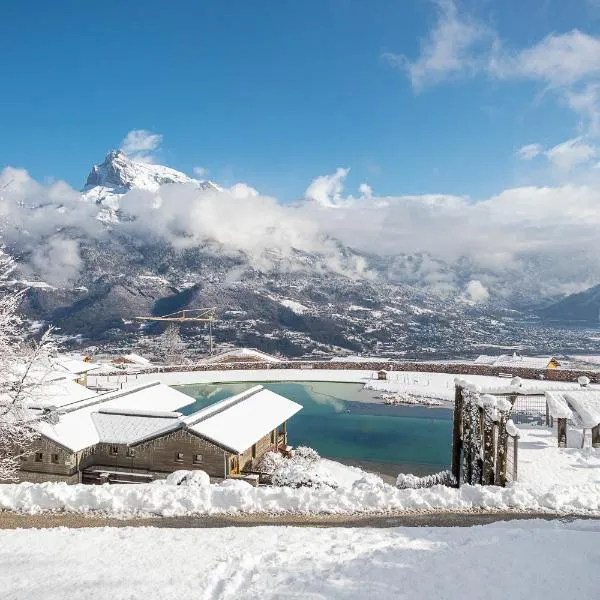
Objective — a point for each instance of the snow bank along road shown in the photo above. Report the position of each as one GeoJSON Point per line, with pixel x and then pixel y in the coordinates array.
{"type": "Point", "coordinates": [529, 560]}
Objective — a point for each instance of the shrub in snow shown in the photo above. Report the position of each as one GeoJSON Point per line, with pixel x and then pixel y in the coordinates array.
{"type": "Point", "coordinates": [188, 478]}
{"type": "Point", "coordinates": [583, 381]}
{"type": "Point", "coordinates": [270, 462]}
{"type": "Point", "coordinates": [299, 470]}
{"type": "Point", "coordinates": [306, 453]}
{"type": "Point", "coordinates": [407, 398]}
{"type": "Point", "coordinates": [409, 481]}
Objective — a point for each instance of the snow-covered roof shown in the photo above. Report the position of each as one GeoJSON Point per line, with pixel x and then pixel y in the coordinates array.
{"type": "Point", "coordinates": [587, 405]}
{"type": "Point", "coordinates": [136, 359]}
{"type": "Point", "coordinates": [515, 360]}
{"type": "Point", "coordinates": [116, 428]}
{"type": "Point", "coordinates": [359, 359]}
{"type": "Point", "coordinates": [239, 423]}
{"type": "Point", "coordinates": [74, 366]}
{"type": "Point", "coordinates": [76, 429]}
{"type": "Point", "coordinates": [485, 359]}
{"type": "Point", "coordinates": [557, 406]}
{"type": "Point", "coordinates": [133, 415]}
{"type": "Point", "coordinates": [241, 355]}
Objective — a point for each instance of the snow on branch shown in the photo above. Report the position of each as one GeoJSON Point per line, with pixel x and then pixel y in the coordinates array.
{"type": "Point", "coordinates": [25, 367]}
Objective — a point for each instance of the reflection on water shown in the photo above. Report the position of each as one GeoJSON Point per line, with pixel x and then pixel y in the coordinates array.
{"type": "Point", "coordinates": [340, 420]}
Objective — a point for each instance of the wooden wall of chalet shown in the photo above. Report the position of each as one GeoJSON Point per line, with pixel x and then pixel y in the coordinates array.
{"type": "Point", "coordinates": [56, 464]}
{"type": "Point", "coordinates": [160, 455]}
{"type": "Point", "coordinates": [263, 446]}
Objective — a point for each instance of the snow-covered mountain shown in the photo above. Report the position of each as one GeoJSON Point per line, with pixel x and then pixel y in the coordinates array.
{"type": "Point", "coordinates": [272, 288]}
{"type": "Point", "coordinates": [582, 307]}
{"type": "Point", "coordinates": [110, 180]}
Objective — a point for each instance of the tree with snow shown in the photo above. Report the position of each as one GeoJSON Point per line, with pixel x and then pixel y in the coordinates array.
{"type": "Point", "coordinates": [24, 368]}
{"type": "Point", "coordinates": [171, 346]}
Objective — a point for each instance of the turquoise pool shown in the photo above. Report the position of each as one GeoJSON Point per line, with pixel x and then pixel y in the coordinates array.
{"type": "Point", "coordinates": [341, 421]}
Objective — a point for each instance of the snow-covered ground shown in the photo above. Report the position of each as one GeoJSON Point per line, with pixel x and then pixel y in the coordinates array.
{"type": "Point", "coordinates": [234, 375]}
{"type": "Point", "coordinates": [554, 483]}
{"type": "Point", "coordinates": [517, 560]}
{"type": "Point", "coordinates": [545, 466]}
{"type": "Point", "coordinates": [416, 385]}
{"type": "Point", "coordinates": [441, 385]}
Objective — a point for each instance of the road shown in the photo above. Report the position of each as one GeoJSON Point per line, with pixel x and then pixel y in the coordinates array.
{"type": "Point", "coordinates": [10, 520]}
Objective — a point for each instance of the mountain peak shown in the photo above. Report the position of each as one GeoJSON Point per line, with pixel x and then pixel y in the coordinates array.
{"type": "Point", "coordinates": [119, 173]}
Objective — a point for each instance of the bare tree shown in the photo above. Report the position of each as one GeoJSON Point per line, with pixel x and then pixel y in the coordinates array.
{"type": "Point", "coordinates": [24, 369]}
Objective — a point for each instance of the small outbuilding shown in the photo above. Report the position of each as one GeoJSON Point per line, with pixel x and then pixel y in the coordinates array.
{"type": "Point", "coordinates": [241, 355]}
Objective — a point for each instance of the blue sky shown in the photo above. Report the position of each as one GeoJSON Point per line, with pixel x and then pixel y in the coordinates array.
{"type": "Point", "coordinates": [414, 96]}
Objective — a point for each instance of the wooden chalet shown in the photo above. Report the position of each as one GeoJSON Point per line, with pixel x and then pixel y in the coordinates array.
{"type": "Point", "coordinates": [508, 361]}
{"type": "Point", "coordinates": [139, 434]}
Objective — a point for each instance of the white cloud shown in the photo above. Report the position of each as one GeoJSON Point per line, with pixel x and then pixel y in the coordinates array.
{"type": "Point", "coordinates": [461, 45]}
{"type": "Point", "coordinates": [476, 292]}
{"type": "Point", "coordinates": [200, 171]}
{"type": "Point", "coordinates": [59, 260]}
{"type": "Point", "coordinates": [365, 190]}
{"type": "Point", "coordinates": [326, 190]}
{"type": "Point", "coordinates": [558, 60]}
{"type": "Point", "coordinates": [541, 239]}
{"type": "Point", "coordinates": [571, 153]}
{"type": "Point", "coordinates": [140, 144]}
{"type": "Point", "coordinates": [529, 151]}
{"type": "Point", "coordinates": [240, 191]}
{"type": "Point", "coordinates": [452, 48]}
{"type": "Point", "coordinates": [585, 101]}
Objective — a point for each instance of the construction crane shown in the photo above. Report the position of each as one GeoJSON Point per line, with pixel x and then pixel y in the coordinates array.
{"type": "Point", "coordinates": [198, 315]}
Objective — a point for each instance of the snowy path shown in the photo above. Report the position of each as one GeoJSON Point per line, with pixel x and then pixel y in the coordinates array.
{"type": "Point", "coordinates": [528, 560]}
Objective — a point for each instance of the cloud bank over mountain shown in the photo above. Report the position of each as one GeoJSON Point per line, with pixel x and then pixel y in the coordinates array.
{"type": "Point", "coordinates": [526, 238]}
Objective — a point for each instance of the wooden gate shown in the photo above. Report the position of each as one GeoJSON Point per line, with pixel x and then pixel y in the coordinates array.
{"type": "Point", "coordinates": [484, 441]}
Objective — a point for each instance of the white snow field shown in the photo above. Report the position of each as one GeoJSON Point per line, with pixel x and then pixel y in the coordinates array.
{"type": "Point", "coordinates": [517, 560]}
{"type": "Point", "coordinates": [554, 480]}
{"type": "Point", "coordinates": [422, 385]}
{"type": "Point", "coordinates": [550, 479]}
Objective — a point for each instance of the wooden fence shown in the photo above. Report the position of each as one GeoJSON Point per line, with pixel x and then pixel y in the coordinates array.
{"type": "Point", "coordinates": [485, 442]}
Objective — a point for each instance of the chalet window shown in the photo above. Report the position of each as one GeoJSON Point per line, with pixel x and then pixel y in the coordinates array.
{"type": "Point", "coordinates": [55, 459]}
{"type": "Point", "coordinates": [253, 450]}
{"type": "Point", "coordinates": [114, 449]}
{"type": "Point", "coordinates": [198, 459]}
{"type": "Point", "coordinates": [39, 457]}
{"type": "Point", "coordinates": [131, 452]}
{"type": "Point", "coordinates": [178, 456]}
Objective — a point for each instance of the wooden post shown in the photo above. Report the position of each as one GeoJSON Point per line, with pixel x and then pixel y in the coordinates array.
{"type": "Point", "coordinates": [596, 436]}
{"type": "Point", "coordinates": [547, 414]}
{"type": "Point", "coordinates": [561, 427]}
{"type": "Point", "coordinates": [480, 438]}
{"type": "Point", "coordinates": [467, 443]}
{"type": "Point", "coordinates": [515, 457]}
{"type": "Point", "coordinates": [488, 452]}
{"type": "Point", "coordinates": [456, 433]}
{"type": "Point", "coordinates": [501, 462]}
